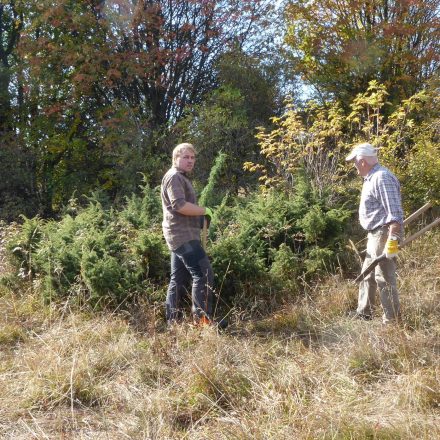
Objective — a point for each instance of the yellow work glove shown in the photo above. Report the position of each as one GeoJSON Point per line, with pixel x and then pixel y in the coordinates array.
{"type": "Point", "coordinates": [392, 246]}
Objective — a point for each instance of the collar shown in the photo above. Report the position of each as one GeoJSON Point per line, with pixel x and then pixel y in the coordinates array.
{"type": "Point", "coordinates": [376, 166]}
{"type": "Point", "coordinates": [179, 170]}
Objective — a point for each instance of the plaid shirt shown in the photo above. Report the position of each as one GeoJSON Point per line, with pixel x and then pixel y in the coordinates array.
{"type": "Point", "coordinates": [380, 199]}
{"type": "Point", "coordinates": [176, 190]}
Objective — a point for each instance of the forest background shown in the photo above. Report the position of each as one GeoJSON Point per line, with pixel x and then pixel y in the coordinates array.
{"type": "Point", "coordinates": [94, 95]}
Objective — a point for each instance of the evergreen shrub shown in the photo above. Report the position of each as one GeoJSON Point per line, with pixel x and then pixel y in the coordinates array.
{"type": "Point", "coordinates": [274, 241]}
{"type": "Point", "coordinates": [286, 270]}
{"type": "Point", "coordinates": [261, 246]}
{"type": "Point", "coordinates": [98, 255]}
{"type": "Point", "coordinates": [237, 268]}
{"type": "Point", "coordinates": [145, 210]}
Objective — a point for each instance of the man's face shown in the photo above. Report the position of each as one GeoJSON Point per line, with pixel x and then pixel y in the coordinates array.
{"type": "Point", "coordinates": [362, 166]}
{"type": "Point", "coordinates": [186, 161]}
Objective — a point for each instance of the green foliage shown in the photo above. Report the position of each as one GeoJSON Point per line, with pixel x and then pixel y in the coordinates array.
{"type": "Point", "coordinates": [274, 239]}
{"type": "Point", "coordinates": [95, 255]}
{"type": "Point", "coordinates": [25, 244]}
{"type": "Point", "coordinates": [211, 194]}
{"type": "Point", "coordinates": [266, 221]}
{"type": "Point", "coordinates": [145, 210]}
{"type": "Point", "coordinates": [319, 260]}
{"type": "Point", "coordinates": [338, 47]}
{"type": "Point", "coordinates": [148, 247]}
{"type": "Point", "coordinates": [237, 268]}
{"type": "Point", "coordinates": [313, 224]}
{"type": "Point", "coordinates": [102, 275]}
{"type": "Point", "coordinates": [286, 269]}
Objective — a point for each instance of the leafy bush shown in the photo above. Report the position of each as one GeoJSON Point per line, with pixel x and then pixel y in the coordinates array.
{"type": "Point", "coordinates": [143, 211]}
{"type": "Point", "coordinates": [262, 246]}
{"type": "Point", "coordinates": [313, 224]}
{"type": "Point", "coordinates": [237, 268]}
{"type": "Point", "coordinates": [285, 269]}
{"type": "Point", "coordinates": [319, 260]}
{"type": "Point", "coordinates": [98, 255]}
{"type": "Point", "coordinates": [25, 243]}
{"type": "Point", "coordinates": [271, 240]}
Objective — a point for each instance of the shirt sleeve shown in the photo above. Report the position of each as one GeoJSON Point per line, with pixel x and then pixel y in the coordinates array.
{"type": "Point", "coordinates": [176, 192]}
{"type": "Point", "coordinates": [388, 194]}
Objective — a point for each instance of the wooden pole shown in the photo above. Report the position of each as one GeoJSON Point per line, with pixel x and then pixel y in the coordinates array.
{"type": "Point", "coordinates": [416, 214]}
{"type": "Point", "coordinates": [382, 257]}
{"type": "Point", "coordinates": [204, 232]}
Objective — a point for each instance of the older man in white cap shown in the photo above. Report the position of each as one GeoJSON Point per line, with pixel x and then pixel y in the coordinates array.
{"type": "Point", "coordinates": [381, 214]}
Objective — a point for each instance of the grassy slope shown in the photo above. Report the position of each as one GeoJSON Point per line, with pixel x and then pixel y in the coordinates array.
{"type": "Point", "coordinates": [307, 372]}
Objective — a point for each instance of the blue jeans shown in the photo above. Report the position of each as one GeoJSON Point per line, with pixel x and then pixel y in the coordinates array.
{"type": "Point", "coordinates": [190, 262]}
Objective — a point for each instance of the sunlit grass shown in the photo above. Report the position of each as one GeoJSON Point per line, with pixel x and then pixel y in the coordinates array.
{"type": "Point", "coordinates": [306, 372]}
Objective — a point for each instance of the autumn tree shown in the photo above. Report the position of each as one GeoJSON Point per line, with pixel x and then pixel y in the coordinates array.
{"type": "Point", "coordinates": [11, 23]}
{"type": "Point", "coordinates": [161, 54]}
{"type": "Point", "coordinates": [247, 97]}
{"type": "Point", "coordinates": [339, 46]}
{"type": "Point", "coordinates": [105, 79]}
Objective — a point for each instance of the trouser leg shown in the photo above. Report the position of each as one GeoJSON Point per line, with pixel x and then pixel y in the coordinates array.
{"type": "Point", "coordinates": [367, 287]}
{"type": "Point", "coordinates": [197, 263]}
{"type": "Point", "coordinates": [367, 290]}
{"type": "Point", "coordinates": [383, 277]}
{"type": "Point", "coordinates": [387, 283]}
{"type": "Point", "coordinates": [179, 281]}
{"type": "Point", "coordinates": [202, 293]}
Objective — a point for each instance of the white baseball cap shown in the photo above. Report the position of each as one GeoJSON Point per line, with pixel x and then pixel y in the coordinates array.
{"type": "Point", "coordinates": [364, 149]}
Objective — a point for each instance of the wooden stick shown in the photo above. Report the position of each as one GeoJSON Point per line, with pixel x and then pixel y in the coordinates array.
{"type": "Point", "coordinates": [408, 220]}
{"type": "Point", "coordinates": [419, 233]}
{"type": "Point", "coordinates": [382, 257]}
{"type": "Point", "coordinates": [416, 214]}
{"type": "Point", "coordinates": [204, 233]}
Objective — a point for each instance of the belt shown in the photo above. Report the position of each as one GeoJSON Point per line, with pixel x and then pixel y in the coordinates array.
{"type": "Point", "coordinates": [376, 229]}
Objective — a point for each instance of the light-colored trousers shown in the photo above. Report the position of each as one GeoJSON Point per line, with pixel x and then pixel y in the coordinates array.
{"type": "Point", "coordinates": [383, 278]}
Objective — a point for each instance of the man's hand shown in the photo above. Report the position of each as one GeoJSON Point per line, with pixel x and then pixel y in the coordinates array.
{"type": "Point", "coordinates": [208, 216]}
{"type": "Point", "coordinates": [392, 246]}
{"type": "Point", "coordinates": [209, 213]}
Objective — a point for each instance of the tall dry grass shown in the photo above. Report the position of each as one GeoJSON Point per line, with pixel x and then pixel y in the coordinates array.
{"type": "Point", "coordinates": [307, 372]}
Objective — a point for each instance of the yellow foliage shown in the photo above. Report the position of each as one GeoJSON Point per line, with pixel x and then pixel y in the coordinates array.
{"type": "Point", "coordinates": [313, 143]}
{"type": "Point", "coordinates": [317, 138]}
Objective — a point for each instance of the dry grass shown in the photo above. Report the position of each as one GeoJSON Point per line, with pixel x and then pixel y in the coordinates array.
{"type": "Point", "coordinates": [308, 372]}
